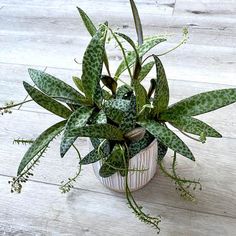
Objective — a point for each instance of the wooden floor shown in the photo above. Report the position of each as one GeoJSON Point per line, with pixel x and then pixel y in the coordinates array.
{"type": "Point", "coordinates": [49, 35]}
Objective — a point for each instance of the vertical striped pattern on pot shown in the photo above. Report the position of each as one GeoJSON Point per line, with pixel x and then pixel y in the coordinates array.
{"type": "Point", "coordinates": [144, 160]}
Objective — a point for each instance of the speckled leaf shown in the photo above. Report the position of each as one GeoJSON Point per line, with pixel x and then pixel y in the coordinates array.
{"type": "Point", "coordinates": [87, 22]}
{"type": "Point", "coordinates": [123, 90]}
{"type": "Point", "coordinates": [56, 88]}
{"type": "Point", "coordinates": [47, 102]}
{"type": "Point", "coordinates": [115, 160]}
{"type": "Point", "coordinates": [191, 125]}
{"type": "Point", "coordinates": [78, 119]}
{"type": "Point", "coordinates": [95, 156]}
{"type": "Point", "coordinates": [136, 147]}
{"type": "Point", "coordinates": [203, 102]}
{"type": "Point", "coordinates": [100, 118]}
{"type": "Point", "coordinates": [78, 83]}
{"type": "Point", "coordinates": [142, 50]}
{"type": "Point", "coordinates": [105, 131]}
{"type": "Point", "coordinates": [92, 64]}
{"type": "Point", "coordinates": [129, 119]}
{"type": "Point", "coordinates": [115, 109]}
{"type": "Point", "coordinates": [92, 31]}
{"type": "Point", "coordinates": [167, 137]}
{"type": "Point", "coordinates": [145, 70]}
{"type": "Point", "coordinates": [162, 150]}
{"type": "Point", "coordinates": [141, 95]}
{"type": "Point", "coordinates": [40, 144]}
{"type": "Point", "coordinates": [161, 97]}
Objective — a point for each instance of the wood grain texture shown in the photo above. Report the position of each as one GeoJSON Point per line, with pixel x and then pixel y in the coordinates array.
{"type": "Point", "coordinates": [226, 8]}
{"type": "Point", "coordinates": [84, 213]}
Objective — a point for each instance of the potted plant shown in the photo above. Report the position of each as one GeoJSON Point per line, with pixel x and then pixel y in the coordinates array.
{"type": "Point", "coordinates": [128, 125]}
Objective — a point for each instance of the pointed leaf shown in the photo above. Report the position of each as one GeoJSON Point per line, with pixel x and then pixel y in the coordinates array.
{"type": "Point", "coordinates": [78, 119]}
{"type": "Point", "coordinates": [47, 102]}
{"type": "Point", "coordinates": [145, 70]}
{"type": "Point", "coordinates": [110, 83]}
{"type": "Point", "coordinates": [87, 22]}
{"type": "Point", "coordinates": [78, 83]}
{"type": "Point", "coordinates": [141, 95]}
{"type": "Point", "coordinates": [161, 97]}
{"type": "Point", "coordinates": [203, 102]}
{"type": "Point", "coordinates": [191, 125]}
{"type": "Point", "coordinates": [115, 160]}
{"type": "Point", "coordinates": [142, 50]}
{"type": "Point", "coordinates": [167, 137]}
{"type": "Point", "coordinates": [92, 64]}
{"type": "Point", "coordinates": [56, 88]}
{"type": "Point", "coordinates": [115, 109]}
{"type": "Point", "coordinates": [92, 31]}
{"type": "Point", "coordinates": [137, 21]}
{"type": "Point", "coordinates": [40, 144]}
{"type": "Point", "coordinates": [96, 154]}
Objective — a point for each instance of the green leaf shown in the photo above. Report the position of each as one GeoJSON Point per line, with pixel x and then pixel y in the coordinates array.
{"type": "Point", "coordinates": [137, 21]}
{"type": "Point", "coordinates": [123, 90]}
{"type": "Point", "coordinates": [78, 83]}
{"type": "Point", "coordinates": [162, 150]}
{"type": "Point", "coordinates": [142, 50]}
{"type": "Point", "coordinates": [110, 83]}
{"type": "Point", "coordinates": [56, 88]}
{"type": "Point", "coordinates": [92, 64]}
{"type": "Point", "coordinates": [167, 138]}
{"type": "Point", "coordinates": [191, 125]}
{"type": "Point", "coordinates": [87, 22]}
{"type": "Point", "coordinates": [47, 102]}
{"type": "Point", "coordinates": [114, 161]}
{"type": "Point", "coordinates": [40, 144]}
{"type": "Point", "coordinates": [145, 70]}
{"type": "Point", "coordinates": [96, 154]}
{"type": "Point", "coordinates": [105, 131]}
{"type": "Point", "coordinates": [161, 97]}
{"type": "Point", "coordinates": [203, 102]}
{"type": "Point", "coordinates": [77, 120]}
{"type": "Point", "coordinates": [92, 31]}
{"type": "Point", "coordinates": [141, 95]}
{"type": "Point", "coordinates": [136, 147]}
{"type": "Point", "coordinates": [115, 109]}
{"type": "Point", "coordinates": [138, 65]}
{"type": "Point", "coordinates": [129, 119]}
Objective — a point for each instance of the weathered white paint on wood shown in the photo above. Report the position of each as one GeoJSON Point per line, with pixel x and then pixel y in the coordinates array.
{"type": "Point", "coordinates": [225, 8]}
{"type": "Point", "coordinates": [87, 213]}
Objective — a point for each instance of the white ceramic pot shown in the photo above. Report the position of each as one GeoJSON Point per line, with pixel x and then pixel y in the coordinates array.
{"type": "Point", "coordinates": [146, 159]}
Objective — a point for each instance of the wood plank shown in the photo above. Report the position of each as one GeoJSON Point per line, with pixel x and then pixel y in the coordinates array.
{"type": "Point", "coordinates": [60, 51]}
{"type": "Point", "coordinates": [215, 166]}
{"type": "Point", "coordinates": [202, 8]}
{"type": "Point", "coordinates": [88, 213]}
{"type": "Point", "coordinates": [162, 6]}
{"type": "Point", "coordinates": [66, 20]}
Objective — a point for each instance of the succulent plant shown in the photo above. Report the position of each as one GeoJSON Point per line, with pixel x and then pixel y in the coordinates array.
{"type": "Point", "coordinates": [120, 120]}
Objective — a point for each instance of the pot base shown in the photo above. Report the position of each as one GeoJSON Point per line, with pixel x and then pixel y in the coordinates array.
{"type": "Point", "coordinates": [146, 161]}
